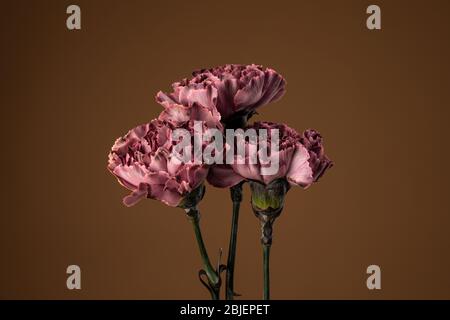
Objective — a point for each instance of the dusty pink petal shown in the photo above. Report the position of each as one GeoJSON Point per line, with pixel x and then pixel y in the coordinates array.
{"type": "Point", "coordinates": [188, 103]}
{"type": "Point", "coordinates": [139, 132]}
{"type": "Point", "coordinates": [196, 174]}
{"type": "Point", "coordinates": [274, 87]}
{"type": "Point", "coordinates": [205, 97]}
{"type": "Point", "coordinates": [136, 195]}
{"type": "Point", "coordinates": [250, 94]}
{"type": "Point", "coordinates": [131, 176]}
{"type": "Point", "coordinates": [191, 176]}
{"type": "Point", "coordinates": [121, 145]}
{"type": "Point", "coordinates": [223, 176]}
{"type": "Point", "coordinates": [162, 97]}
{"type": "Point", "coordinates": [300, 172]}
{"type": "Point", "coordinates": [171, 198]}
{"type": "Point", "coordinates": [113, 161]}
{"type": "Point", "coordinates": [319, 165]}
{"type": "Point", "coordinates": [173, 165]}
{"type": "Point", "coordinates": [179, 114]}
{"type": "Point", "coordinates": [227, 89]}
{"type": "Point", "coordinates": [248, 171]}
{"type": "Point", "coordinates": [175, 113]}
{"type": "Point", "coordinates": [319, 162]}
{"type": "Point", "coordinates": [158, 161]}
{"type": "Point", "coordinates": [158, 177]}
{"type": "Point", "coordinates": [164, 137]}
{"type": "Point", "coordinates": [167, 196]}
{"type": "Point", "coordinates": [284, 161]}
{"type": "Point", "coordinates": [174, 185]}
{"type": "Point", "coordinates": [210, 117]}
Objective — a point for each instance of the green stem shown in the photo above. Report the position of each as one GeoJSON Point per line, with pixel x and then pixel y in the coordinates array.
{"type": "Point", "coordinates": [266, 258]}
{"type": "Point", "coordinates": [212, 275]}
{"type": "Point", "coordinates": [236, 197]}
{"type": "Point", "coordinates": [267, 204]}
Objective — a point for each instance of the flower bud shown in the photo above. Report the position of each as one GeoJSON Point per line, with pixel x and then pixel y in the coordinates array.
{"type": "Point", "coordinates": [268, 198]}
{"type": "Point", "coordinates": [267, 203]}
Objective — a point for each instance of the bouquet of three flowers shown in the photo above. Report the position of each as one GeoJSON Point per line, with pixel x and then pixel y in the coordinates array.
{"type": "Point", "coordinates": [196, 115]}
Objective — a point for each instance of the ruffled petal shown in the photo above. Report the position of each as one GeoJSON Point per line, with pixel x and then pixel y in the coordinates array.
{"type": "Point", "coordinates": [300, 173]}
{"type": "Point", "coordinates": [136, 195]}
{"type": "Point", "coordinates": [223, 176]}
{"type": "Point", "coordinates": [131, 176]}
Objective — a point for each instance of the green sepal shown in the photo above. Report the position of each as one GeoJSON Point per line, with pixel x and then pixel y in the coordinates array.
{"type": "Point", "coordinates": [269, 197]}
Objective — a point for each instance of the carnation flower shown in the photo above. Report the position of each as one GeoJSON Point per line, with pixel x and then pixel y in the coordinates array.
{"type": "Point", "coordinates": [157, 160]}
{"type": "Point", "coordinates": [318, 161]}
{"type": "Point", "coordinates": [301, 159]}
{"type": "Point", "coordinates": [188, 103]}
{"type": "Point", "coordinates": [234, 90]}
{"type": "Point", "coordinates": [143, 163]}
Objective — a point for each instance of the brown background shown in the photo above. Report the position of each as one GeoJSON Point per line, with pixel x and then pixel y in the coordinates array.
{"type": "Point", "coordinates": [380, 99]}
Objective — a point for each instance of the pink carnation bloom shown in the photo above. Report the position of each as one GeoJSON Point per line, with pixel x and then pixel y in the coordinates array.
{"type": "Point", "coordinates": [232, 89]}
{"type": "Point", "coordinates": [188, 103]}
{"type": "Point", "coordinates": [302, 160]}
{"type": "Point", "coordinates": [142, 162]}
